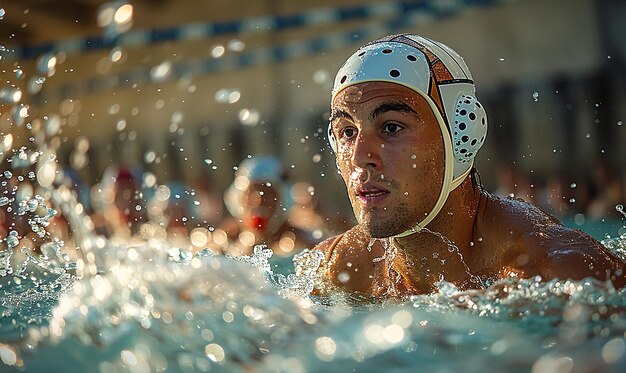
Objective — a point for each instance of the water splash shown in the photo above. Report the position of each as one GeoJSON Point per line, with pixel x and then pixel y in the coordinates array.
{"type": "Point", "coordinates": [453, 248]}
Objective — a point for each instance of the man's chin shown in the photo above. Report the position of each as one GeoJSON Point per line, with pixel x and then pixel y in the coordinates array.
{"type": "Point", "coordinates": [381, 231]}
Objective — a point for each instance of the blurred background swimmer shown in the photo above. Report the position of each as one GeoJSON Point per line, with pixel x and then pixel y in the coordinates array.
{"type": "Point", "coordinates": [259, 201]}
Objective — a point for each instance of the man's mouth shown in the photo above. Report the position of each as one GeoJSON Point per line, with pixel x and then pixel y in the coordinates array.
{"type": "Point", "coordinates": [371, 195]}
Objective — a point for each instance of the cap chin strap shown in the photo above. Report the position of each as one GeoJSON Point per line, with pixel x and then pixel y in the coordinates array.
{"type": "Point", "coordinates": [443, 196]}
{"type": "Point", "coordinates": [449, 182]}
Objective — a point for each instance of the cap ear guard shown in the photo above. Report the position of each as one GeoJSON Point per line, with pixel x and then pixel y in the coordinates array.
{"type": "Point", "coordinates": [331, 137]}
{"type": "Point", "coordinates": [470, 128]}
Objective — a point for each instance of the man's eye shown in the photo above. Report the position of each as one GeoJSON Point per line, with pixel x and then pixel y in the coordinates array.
{"type": "Point", "coordinates": [392, 127]}
{"type": "Point", "coordinates": [348, 133]}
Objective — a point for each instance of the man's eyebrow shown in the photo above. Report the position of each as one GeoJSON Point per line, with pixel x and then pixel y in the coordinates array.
{"type": "Point", "coordinates": [339, 113]}
{"type": "Point", "coordinates": [392, 106]}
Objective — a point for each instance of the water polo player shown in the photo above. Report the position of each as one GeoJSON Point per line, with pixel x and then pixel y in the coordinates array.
{"type": "Point", "coordinates": [405, 127]}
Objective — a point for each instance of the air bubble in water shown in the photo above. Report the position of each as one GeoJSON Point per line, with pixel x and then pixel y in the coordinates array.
{"type": "Point", "coordinates": [2, 13]}
{"type": "Point", "coordinates": [536, 96]}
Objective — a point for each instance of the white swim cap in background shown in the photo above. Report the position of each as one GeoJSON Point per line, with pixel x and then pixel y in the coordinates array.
{"type": "Point", "coordinates": [438, 74]}
{"type": "Point", "coordinates": [257, 169]}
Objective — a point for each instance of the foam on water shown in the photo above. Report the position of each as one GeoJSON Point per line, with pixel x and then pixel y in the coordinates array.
{"type": "Point", "coordinates": [158, 308]}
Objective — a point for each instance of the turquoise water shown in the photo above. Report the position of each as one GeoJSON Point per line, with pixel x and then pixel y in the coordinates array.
{"type": "Point", "coordinates": [157, 308]}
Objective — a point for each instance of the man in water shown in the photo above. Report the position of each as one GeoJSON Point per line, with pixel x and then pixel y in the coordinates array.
{"type": "Point", "coordinates": [258, 201]}
{"type": "Point", "coordinates": [405, 127]}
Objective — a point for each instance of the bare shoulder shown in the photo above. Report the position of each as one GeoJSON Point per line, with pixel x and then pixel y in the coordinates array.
{"type": "Point", "coordinates": [326, 246]}
{"type": "Point", "coordinates": [532, 242]}
{"type": "Point", "coordinates": [349, 261]}
{"type": "Point", "coordinates": [351, 238]}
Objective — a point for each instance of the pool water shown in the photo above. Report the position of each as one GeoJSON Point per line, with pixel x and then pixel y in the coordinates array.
{"type": "Point", "coordinates": [153, 307]}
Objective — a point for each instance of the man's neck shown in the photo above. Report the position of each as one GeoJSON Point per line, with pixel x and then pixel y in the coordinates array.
{"type": "Point", "coordinates": [443, 250]}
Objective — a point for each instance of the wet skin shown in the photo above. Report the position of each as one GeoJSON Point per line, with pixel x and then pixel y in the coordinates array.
{"type": "Point", "coordinates": [390, 154]}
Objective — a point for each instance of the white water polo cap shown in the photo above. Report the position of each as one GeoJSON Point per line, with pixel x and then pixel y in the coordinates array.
{"type": "Point", "coordinates": [438, 74]}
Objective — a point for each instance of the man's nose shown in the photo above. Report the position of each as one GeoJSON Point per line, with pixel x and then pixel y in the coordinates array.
{"type": "Point", "coordinates": [366, 152]}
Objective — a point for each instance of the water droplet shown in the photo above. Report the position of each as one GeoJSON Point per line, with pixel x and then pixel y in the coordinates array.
{"type": "Point", "coordinates": [46, 64]}
{"type": "Point", "coordinates": [2, 13]}
{"type": "Point", "coordinates": [52, 125]}
{"type": "Point", "coordinates": [501, 59]}
{"type": "Point", "coordinates": [124, 14]}
{"type": "Point", "coordinates": [46, 174]}
{"type": "Point", "coordinates": [35, 84]}
{"type": "Point", "coordinates": [161, 72]}
{"type": "Point", "coordinates": [226, 95]}
{"type": "Point", "coordinates": [321, 76]}
{"type": "Point", "coordinates": [579, 219]}
{"type": "Point", "coordinates": [572, 185]}
{"type": "Point", "coordinates": [116, 54]}
{"type": "Point", "coordinates": [249, 117]}
{"type": "Point", "coordinates": [619, 123]}
{"type": "Point", "coordinates": [12, 241]}
{"type": "Point", "coordinates": [218, 51]}
{"type": "Point", "coordinates": [120, 125]}
{"type": "Point", "coordinates": [236, 45]}
{"type": "Point", "coordinates": [10, 95]}
{"type": "Point", "coordinates": [20, 112]}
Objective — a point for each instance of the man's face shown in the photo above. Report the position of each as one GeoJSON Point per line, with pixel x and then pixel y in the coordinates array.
{"type": "Point", "coordinates": [390, 153]}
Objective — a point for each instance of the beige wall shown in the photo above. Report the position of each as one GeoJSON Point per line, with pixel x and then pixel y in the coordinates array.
{"type": "Point", "coordinates": [525, 44]}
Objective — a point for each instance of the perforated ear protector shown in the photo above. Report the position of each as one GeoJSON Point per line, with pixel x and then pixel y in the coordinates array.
{"type": "Point", "coordinates": [438, 74]}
